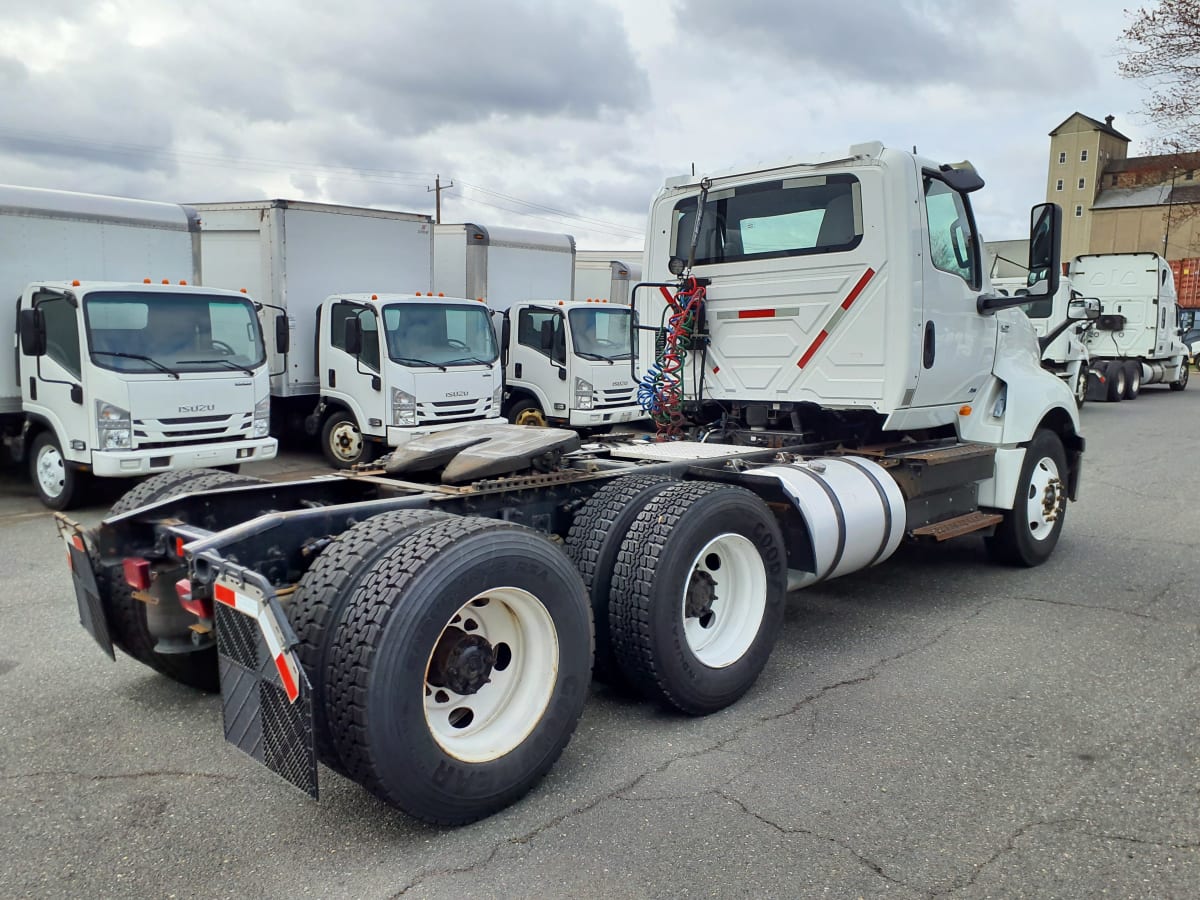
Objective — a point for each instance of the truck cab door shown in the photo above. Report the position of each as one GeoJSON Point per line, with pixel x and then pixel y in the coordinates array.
{"type": "Point", "coordinates": [52, 384]}
{"type": "Point", "coordinates": [958, 345]}
{"type": "Point", "coordinates": [538, 354]}
{"type": "Point", "coordinates": [354, 377]}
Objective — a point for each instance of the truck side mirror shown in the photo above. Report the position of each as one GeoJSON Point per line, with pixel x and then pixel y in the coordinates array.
{"type": "Point", "coordinates": [283, 337]}
{"type": "Point", "coordinates": [32, 326]}
{"type": "Point", "coordinates": [1083, 308]}
{"type": "Point", "coordinates": [1045, 249]}
{"type": "Point", "coordinates": [352, 339]}
{"type": "Point", "coordinates": [505, 337]}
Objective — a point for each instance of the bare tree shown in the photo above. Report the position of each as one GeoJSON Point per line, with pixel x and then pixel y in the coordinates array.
{"type": "Point", "coordinates": [1162, 47]}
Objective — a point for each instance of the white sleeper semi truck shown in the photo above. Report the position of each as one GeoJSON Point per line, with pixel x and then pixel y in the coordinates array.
{"type": "Point", "coordinates": [565, 362]}
{"type": "Point", "coordinates": [835, 376]}
{"type": "Point", "coordinates": [1135, 341]}
{"type": "Point", "coordinates": [1061, 338]}
{"type": "Point", "coordinates": [114, 376]}
{"type": "Point", "coordinates": [310, 262]}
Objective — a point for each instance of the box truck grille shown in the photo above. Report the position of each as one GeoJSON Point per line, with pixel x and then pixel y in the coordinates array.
{"type": "Point", "coordinates": [449, 410]}
{"type": "Point", "coordinates": [152, 434]}
{"type": "Point", "coordinates": [610, 398]}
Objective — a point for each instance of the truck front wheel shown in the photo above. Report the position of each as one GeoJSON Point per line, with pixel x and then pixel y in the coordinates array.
{"type": "Point", "coordinates": [1181, 382]}
{"type": "Point", "coordinates": [1030, 530]}
{"type": "Point", "coordinates": [342, 441]}
{"type": "Point", "coordinates": [1081, 385]}
{"type": "Point", "coordinates": [527, 412]}
{"type": "Point", "coordinates": [58, 483]}
{"type": "Point", "coordinates": [697, 596]}
{"type": "Point", "coordinates": [460, 668]}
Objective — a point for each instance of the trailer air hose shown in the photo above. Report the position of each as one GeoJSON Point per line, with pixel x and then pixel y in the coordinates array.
{"type": "Point", "coordinates": [660, 391]}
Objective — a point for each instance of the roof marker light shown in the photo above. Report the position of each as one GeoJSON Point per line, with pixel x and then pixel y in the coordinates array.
{"type": "Point", "coordinates": [166, 281]}
{"type": "Point", "coordinates": [183, 282]}
{"type": "Point", "coordinates": [145, 281]}
{"type": "Point", "coordinates": [243, 290]}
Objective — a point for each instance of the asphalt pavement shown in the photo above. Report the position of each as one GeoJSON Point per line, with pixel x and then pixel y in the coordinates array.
{"type": "Point", "coordinates": [937, 726]}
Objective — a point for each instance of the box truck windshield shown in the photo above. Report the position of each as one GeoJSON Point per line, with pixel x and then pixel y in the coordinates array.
{"type": "Point", "coordinates": [601, 333]}
{"type": "Point", "coordinates": [132, 332]}
{"type": "Point", "coordinates": [432, 334]}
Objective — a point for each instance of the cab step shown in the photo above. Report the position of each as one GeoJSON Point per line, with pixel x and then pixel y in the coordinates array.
{"type": "Point", "coordinates": [958, 526]}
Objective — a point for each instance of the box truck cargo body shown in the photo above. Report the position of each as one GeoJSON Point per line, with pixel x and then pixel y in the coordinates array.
{"type": "Point", "coordinates": [600, 275]}
{"type": "Point", "coordinates": [113, 375]}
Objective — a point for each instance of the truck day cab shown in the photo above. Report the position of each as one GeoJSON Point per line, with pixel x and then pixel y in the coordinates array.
{"type": "Point", "coordinates": [832, 376]}
{"type": "Point", "coordinates": [120, 378]}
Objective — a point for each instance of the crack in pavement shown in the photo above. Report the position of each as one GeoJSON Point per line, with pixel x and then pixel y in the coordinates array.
{"type": "Point", "coordinates": [1089, 606]}
{"type": "Point", "coordinates": [117, 776]}
{"type": "Point", "coordinates": [872, 672]}
{"type": "Point", "coordinates": [866, 861]}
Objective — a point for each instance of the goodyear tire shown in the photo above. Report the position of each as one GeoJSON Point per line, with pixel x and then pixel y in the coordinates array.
{"type": "Point", "coordinates": [1030, 530]}
{"type": "Point", "coordinates": [320, 598]}
{"type": "Point", "coordinates": [594, 543]}
{"type": "Point", "coordinates": [459, 669]}
{"type": "Point", "coordinates": [698, 594]}
{"type": "Point", "coordinates": [126, 615]}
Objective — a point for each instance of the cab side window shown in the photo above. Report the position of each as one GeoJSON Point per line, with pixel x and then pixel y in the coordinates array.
{"type": "Point", "coordinates": [369, 355]}
{"type": "Point", "coordinates": [62, 333]}
{"type": "Point", "coordinates": [542, 330]}
{"type": "Point", "coordinates": [952, 243]}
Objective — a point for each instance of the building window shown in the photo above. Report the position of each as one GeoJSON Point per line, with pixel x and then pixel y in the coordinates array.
{"type": "Point", "coordinates": [1083, 156]}
{"type": "Point", "coordinates": [1114, 181]}
{"type": "Point", "coordinates": [1188, 175]}
{"type": "Point", "coordinates": [1062, 157]}
{"type": "Point", "coordinates": [1058, 185]}
{"type": "Point", "coordinates": [1078, 211]}
{"type": "Point", "coordinates": [1082, 182]}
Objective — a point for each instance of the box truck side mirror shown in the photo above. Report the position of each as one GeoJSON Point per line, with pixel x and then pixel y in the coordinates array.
{"type": "Point", "coordinates": [283, 337]}
{"type": "Point", "coordinates": [32, 327]}
{"type": "Point", "coordinates": [352, 339]}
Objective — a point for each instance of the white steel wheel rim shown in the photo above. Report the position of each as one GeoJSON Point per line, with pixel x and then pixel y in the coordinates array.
{"type": "Point", "coordinates": [1046, 499]}
{"type": "Point", "coordinates": [1081, 385]}
{"type": "Point", "coordinates": [51, 471]}
{"type": "Point", "coordinates": [346, 441]}
{"type": "Point", "coordinates": [496, 719]}
{"type": "Point", "coordinates": [1135, 378]}
{"type": "Point", "coordinates": [729, 565]}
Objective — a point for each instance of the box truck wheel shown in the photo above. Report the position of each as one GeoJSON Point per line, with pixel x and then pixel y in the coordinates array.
{"type": "Point", "coordinates": [697, 595]}
{"type": "Point", "coordinates": [526, 411]}
{"type": "Point", "coordinates": [342, 441]}
{"type": "Point", "coordinates": [58, 483]}
{"type": "Point", "coordinates": [1117, 380]}
{"type": "Point", "coordinates": [593, 544]}
{"type": "Point", "coordinates": [1181, 382]}
{"type": "Point", "coordinates": [1030, 530]}
{"type": "Point", "coordinates": [460, 669]}
{"type": "Point", "coordinates": [1133, 380]}
{"type": "Point", "coordinates": [316, 606]}
{"type": "Point", "coordinates": [126, 615]}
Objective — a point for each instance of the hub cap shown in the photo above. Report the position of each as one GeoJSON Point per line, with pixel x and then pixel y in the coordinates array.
{"type": "Point", "coordinates": [51, 471]}
{"type": "Point", "coordinates": [346, 442]}
{"type": "Point", "coordinates": [1046, 500]}
{"type": "Point", "coordinates": [491, 674]}
{"type": "Point", "coordinates": [724, 600]}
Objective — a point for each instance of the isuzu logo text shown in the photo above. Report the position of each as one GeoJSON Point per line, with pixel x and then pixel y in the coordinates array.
{"type": "Point", "coordinates": [456, 393]}
{"type": "Point", "coordinates": [198, 408]}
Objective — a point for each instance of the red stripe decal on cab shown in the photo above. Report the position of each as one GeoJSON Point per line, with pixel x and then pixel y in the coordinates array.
{"type": "Point", "coordinates": [858, 288]}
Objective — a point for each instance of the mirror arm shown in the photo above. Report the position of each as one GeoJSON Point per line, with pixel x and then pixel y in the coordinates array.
{"type": "Point", "coordinates": [989, 303]}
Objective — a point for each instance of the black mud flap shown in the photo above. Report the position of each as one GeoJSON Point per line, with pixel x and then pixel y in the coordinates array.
{"type": "Point", "coordinates": [87, 589]}
{"type": "Point", "coordinates": [265, 716]}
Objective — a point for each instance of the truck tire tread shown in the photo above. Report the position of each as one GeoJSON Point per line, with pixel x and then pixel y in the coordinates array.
{"type": "Point", "coordinates": [321, 595]}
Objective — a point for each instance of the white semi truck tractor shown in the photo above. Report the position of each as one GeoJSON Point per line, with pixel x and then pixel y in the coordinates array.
{"type": "Point", "coordinates": [832, 376]}
{"type": "Point", "coordinates": [1063, 351]}
{"type": "Point", "coordinates": [1136, 339]}
{"type": "Point", "coordinates": [113, 375]}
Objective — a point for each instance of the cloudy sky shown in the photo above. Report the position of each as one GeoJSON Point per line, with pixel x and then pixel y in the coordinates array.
{"type": "Point", "coordinates": [556, 116]}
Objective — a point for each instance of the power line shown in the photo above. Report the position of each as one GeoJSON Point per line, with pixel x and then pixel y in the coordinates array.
{"type": "Point", "coordinates": [543, 207]}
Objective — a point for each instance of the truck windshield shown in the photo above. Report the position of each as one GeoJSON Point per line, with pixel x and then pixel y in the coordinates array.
{"type": "Point", "coordinates": [783, 217]}
{"type": "Point", "coordinates": [601, 333]}
{"type": "Point", "coordinates": [437, 335]}
{"type": "Point", "coordinates": [150, 332]}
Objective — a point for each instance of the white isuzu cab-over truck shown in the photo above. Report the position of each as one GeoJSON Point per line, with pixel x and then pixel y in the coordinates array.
{"type": "Point", "coordinates": [831, 376]}
{"type": "Point", "coordinates": [114, 376]}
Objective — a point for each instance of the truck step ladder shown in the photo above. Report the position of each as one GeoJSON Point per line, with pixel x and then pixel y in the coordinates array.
{"type": "Point", "coordinates": [959, 525]}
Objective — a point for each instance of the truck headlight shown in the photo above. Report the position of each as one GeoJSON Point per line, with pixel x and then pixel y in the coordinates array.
{"type": "Point", "coordinates": [404, 408]}
{"type": "Point", "coordinates": [583, 394]}
{"type": "Point", "coordinates": [262, 417]}
{"type": "Point", "coordinates": [113, 426]}
{"type": "Point", "coordinates": [498, 396]}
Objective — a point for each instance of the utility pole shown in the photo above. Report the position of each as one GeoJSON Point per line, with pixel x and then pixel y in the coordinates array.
{"type": "Point", "coordinates": [1170, 198]}
{"type": "Point", "coordinates": [437, 189]}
